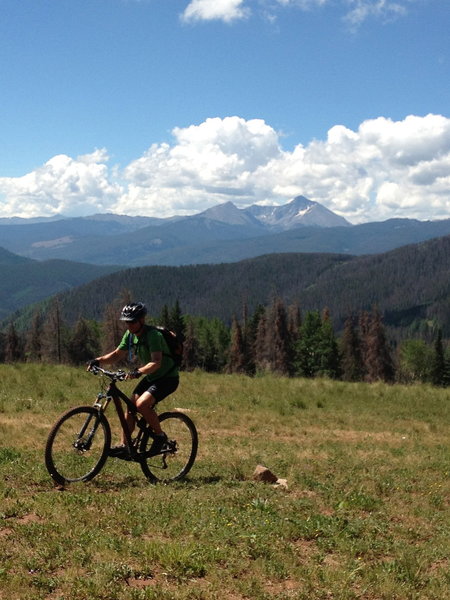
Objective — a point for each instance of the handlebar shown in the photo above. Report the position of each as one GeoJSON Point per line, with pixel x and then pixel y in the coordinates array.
{"type": "Point", "coordinates": [113, 375]}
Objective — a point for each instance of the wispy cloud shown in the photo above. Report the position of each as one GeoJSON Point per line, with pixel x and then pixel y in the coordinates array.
{"type": "Point", "coordinates": [381, 170]}
{"type": "Point", "coordinates": [361, 10]}
{"type": "Point", "coordinates": [354, 12]}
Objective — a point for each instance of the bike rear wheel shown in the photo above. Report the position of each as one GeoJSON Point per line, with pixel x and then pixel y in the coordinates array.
{"type": "Point", "coordinates": [178, 456]}
{"type": "Point", "coordinates": [77, 446]}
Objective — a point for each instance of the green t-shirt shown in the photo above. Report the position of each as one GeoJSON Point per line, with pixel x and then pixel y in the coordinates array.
{"type": "Point", "coordinates": [151, 340]}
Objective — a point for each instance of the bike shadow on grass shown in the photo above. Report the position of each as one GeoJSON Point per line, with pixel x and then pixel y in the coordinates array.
{"type": "Point", "coordinates": [110, 485]}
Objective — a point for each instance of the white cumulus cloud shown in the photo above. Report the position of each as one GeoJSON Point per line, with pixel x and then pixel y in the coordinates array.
{"type": "Point", "coordinates": [209, 10]}
{"type": "Point", "coordinates": [63, 185]}
{"type": "Point", "coordinates": [382, 169]}
{"type": "Point", "coordinates": [214, 160]}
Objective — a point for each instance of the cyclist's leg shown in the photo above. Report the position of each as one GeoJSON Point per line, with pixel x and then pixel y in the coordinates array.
{"type": "Point", "coordinates": [130, 421]}
{"type": "Point", "coordinates": [146, 402]}
{"type": "Point", "coordinates": [138, 391]}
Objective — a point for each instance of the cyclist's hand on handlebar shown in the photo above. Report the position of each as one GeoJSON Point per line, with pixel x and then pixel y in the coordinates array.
{"type": "Point", "coordinates": [92, 363]}
{"type": "Point", "coordinates": [134, 374]}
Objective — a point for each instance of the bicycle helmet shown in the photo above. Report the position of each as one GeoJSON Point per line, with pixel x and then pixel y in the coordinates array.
{"type": "Point", "coordinates": [133, 311]}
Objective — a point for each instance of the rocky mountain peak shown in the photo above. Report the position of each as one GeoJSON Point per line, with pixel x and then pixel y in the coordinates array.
{"type": "Point", "coordinates": [300, 211]}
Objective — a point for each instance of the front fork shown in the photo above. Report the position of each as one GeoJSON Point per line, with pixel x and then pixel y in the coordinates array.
{"type": "Point", "coordinates": [83, 442]}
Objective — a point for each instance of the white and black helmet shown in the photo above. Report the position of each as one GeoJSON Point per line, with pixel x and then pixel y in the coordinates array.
{"type": "Point", "coordinates": [133, 311]}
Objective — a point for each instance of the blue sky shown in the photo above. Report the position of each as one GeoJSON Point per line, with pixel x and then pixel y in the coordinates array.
{"type": "Point", "coordinates": [160, 107]}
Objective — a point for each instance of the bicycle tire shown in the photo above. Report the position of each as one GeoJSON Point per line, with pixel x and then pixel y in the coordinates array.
{"type": "Point", "coordinates": [77, 445]}
{"type": "Point", "coordinates": [176, 462]}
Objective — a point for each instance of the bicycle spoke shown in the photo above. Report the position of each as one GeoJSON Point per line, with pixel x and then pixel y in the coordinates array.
{"type": "Point", "coordinates": [77, 445]}
{"type": "Point", "coordinates": [178, 456]}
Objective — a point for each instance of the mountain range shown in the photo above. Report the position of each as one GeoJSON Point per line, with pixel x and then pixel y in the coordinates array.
{"type": "Point", "coordinates": [223, 233]}
{"type": "Point", "coordinates": [300, 250]}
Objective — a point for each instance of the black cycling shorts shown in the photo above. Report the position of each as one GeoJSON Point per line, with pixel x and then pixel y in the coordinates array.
{"type": "Point", "coordinates": [159, 389]}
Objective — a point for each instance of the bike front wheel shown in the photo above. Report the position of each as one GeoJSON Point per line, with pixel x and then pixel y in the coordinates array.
{"type": "Point", "coordinates": [177, 457]}
{"type": "Point", "coordinates": [77, 446]}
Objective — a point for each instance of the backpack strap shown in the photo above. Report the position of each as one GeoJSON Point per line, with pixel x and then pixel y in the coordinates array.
{"type": "Point", "coordinates": [130, 347]}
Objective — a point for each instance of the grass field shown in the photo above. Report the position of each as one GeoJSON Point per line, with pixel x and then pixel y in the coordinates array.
{"type": "Point", "coordinates": [365, 515]}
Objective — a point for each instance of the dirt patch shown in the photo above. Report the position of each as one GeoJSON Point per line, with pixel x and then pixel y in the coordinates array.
{"type": "Point", "coordinates": [30, 518]}
{"type": "Point", "coordinates": [305, 548]}
{"type": "Point", "coordinates": [141, 583]}
{"type": "Point", "coordinates": [443, 563]}
{"type": "Point", "coordinates": [286, 587]}
{"type": "Point", "coordinates": [5, 532]}
{"type": "Point", "coordinates": [354, 436]}
{"type": "Point", "coordinates": [304, 494]}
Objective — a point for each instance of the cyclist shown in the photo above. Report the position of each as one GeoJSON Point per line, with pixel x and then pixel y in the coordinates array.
{"type": "Point", "coordinates": [161, 376]}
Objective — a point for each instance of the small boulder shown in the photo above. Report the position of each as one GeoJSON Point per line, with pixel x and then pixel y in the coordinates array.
{"type": "Point", "coordinates": [262, 473]}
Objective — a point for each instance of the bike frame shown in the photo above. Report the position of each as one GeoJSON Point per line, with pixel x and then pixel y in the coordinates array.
{"type": "Point", "coordinates": [117, 396]}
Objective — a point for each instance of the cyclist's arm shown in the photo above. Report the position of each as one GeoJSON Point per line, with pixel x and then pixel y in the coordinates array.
{"type": "Point", "coordinates": [113, 356]}
{"type": "Point", "coordinates": [153, 365]}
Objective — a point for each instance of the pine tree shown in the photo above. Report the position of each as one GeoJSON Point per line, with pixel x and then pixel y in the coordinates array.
{"type": "Point", "coordinates": [208, 355]}
{"type": "Point", "coordinates": [250, 333]}
{"type": "Point", "coordinates": [13, 350]}
{"type": "Point", "coordinates": [351, 357]}
{"type": "Point", "coordinates": [364, 329]}
{"type": "Point", "coordinates": [415, 358]}
{"type": "Point", "coordinates": [84, 343]}
{"type": "Point", "coordinates": [165, 317]}
{"type": "Point", "coordinates": [378, 361]}
{"type": "Point", "coordinates": [280, 350]}
{"type": "Point", "coordinates": [237, 359]}
{"type": "Point", "coordinates": [247, 341]}
{"type": "Point", "coordinates": [176, 321]}
{"type": "Point", "coordinates": [191, 356]}
{"type": "Point", "coordinates": [438, 367]}
{"type": "Point", "coordinates": [54, 335]}
{"type": "Point", "coordinates": [2, 346]}
{"type": "Point", "coordinates": [328, 348]}
{"type": "Point", "coordinates": [260, 352]}
{"type": "Point", "coordinates": [33, 344]}
{"type": "Point", "coordinates": [446, 380]}
{"type": "Point", "coordinates": [308, 347]}
{"type": "Point", "coordinates": [244, 317]}
{"type": "Point", "coordinates": [294, 322]}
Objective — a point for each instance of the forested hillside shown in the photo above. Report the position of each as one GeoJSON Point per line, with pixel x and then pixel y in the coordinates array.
{"type": "Point", "coordinates": [205, 290]}
{"type": "Point", "coordinates": [24, 281]}
{"type": "Point", "coordinates": [410, 286]}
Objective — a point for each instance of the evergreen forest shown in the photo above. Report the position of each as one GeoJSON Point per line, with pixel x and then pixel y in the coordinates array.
{"type": "Point", "coordinates": [277, 338]}
{"type": "Point", "coordinates": [368, 318]}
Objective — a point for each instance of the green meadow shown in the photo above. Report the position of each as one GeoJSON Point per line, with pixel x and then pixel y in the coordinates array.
{"type": "Point", "coordinates": [365, 513]}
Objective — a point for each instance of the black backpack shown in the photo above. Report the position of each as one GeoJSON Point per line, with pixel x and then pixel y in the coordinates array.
{"type": "Point", "coordinates": [174, 342]}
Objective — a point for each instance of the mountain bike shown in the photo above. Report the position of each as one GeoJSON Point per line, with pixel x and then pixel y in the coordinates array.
{"type": "Point", "coordinates": [79, 443]}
